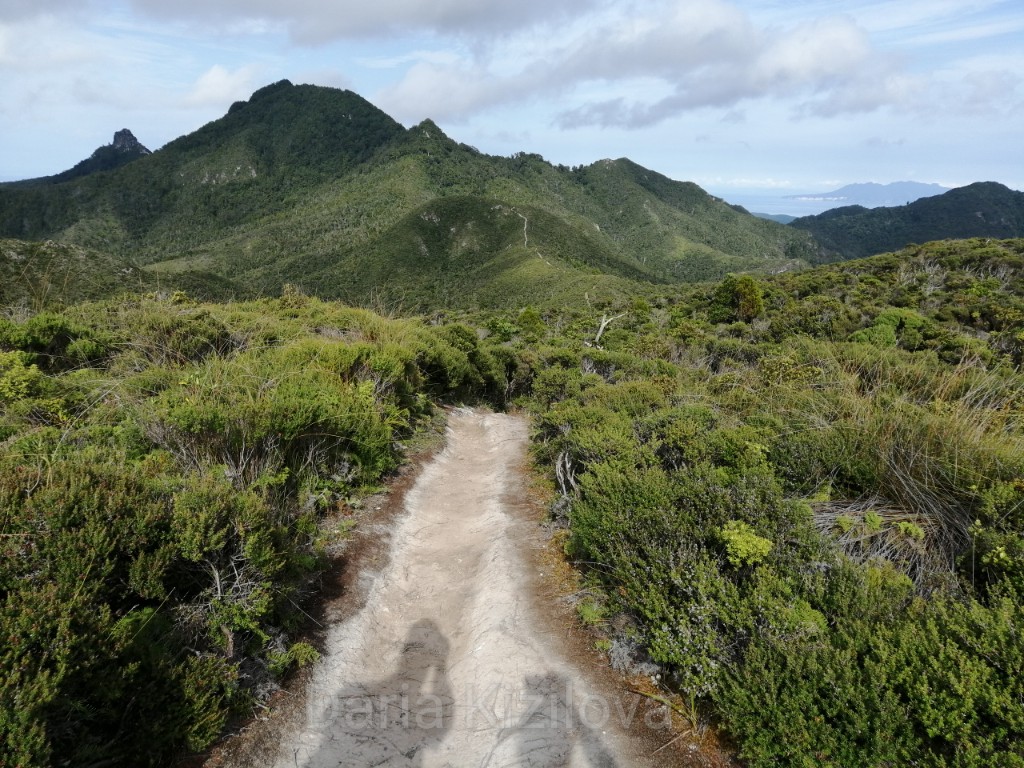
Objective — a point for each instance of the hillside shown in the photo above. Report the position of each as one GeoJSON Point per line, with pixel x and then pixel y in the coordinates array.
{"type": "Point", "coordinates": [801, 496]}
{"type": "Point", "coordinates": [45, 274]}
{"type": "Point", "coordinates": [796, 500]}
{"type": "Point", "coordinates": [780, 218]}
{"type": "Point", "coordinates": [315, 186]}
{"type": "Point", "coordinates": [984, 209]}
{"type": "Point", "coordinates": [171, 475]}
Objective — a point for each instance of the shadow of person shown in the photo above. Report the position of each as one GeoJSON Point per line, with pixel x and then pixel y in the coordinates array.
{"type": "Point", "coordinates": [389, 723]}
{"type": "Point", "coordinates": [553, 725]}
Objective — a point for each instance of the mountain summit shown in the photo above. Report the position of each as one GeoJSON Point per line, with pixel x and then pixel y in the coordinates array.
{"type": "Point", "coordinates": [318, 187]}
{"type": "Point", "coordinates": [124, 149]}
{"type": "Point", "coordinates": [125, 142]}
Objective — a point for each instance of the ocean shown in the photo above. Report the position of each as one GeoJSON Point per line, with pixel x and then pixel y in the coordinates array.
{"type": "Point", "coordinates": [759, 202]}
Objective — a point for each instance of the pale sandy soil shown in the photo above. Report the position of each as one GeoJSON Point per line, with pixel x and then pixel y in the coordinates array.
{"type": "Point", "coordinates": [455, 657]}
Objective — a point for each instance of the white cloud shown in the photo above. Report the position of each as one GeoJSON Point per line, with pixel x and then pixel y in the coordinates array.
{"type": "Point", "coordinates": [441, 58]}
{"type": "Point", "coordinates": [484, 54]}
{"type": "Point", "coordinates": [451, 91]}
{"type": "Point", "coordinates": [989, 85]}
{"type": "Point", "coordinates": [704, 53]}
{"type": "Point", "coordinates": [316, 22]}
{"type": "Point", "coordinates": [219, 85]}
{"type": "Point", "coordinates": [672, 40]}
{"type": "Point", "coordinates": [766, 183]}
{"type": "Point", "coordinates": [997, 90]}
{"type": "Point", "coordinates": [25, 9]}
{"type": "Point", "coordinates": [332, 78]}
{"type": "Point", "coordinates": [979, 31]}
{"type": "Point", "coordinates": [883, 142]}
{"type": "Point", "coordinates": [20, 49]}
{"type": "Point", "coordinates": [877, 89]}
{"type": "Point", "coordinates": [630, 77]}
{"type": "Point", "coordinates": [817, 52]}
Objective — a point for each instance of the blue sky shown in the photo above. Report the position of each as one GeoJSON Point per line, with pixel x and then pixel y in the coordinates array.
{"type": "Point", "coordinates": [744, 97]}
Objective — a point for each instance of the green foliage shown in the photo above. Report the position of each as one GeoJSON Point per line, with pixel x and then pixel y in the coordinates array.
{"type": "Point", "coordinates": [19, 378]}
{"type": "Point", "coordinates": [531, 322]}
{"type": "Point", "coordinates": [82, 552]}
{"type": "Point", "coordinates": [903, 326]}
{"type": "Point", "coordinates": [743, 547]}
{"type": "Point", "coordinates": [296, 656]}
{"type": "Point", "coordinates": [737, 298]}
{"type": "Point", "coordinates": [160, 512]}
{"type": "Point", "coordinates": [592, 612]}
{"type": "Point", "coordinates": [181, 336]}
{"type": "Point", "coordinates": [40, 275]}
{"type": "Point", "coordinates": [930, 686]}
{"type": "Point", "coordinates": [910, 530]}
{"type": "Point", "coordinates": [804, 489]}
{"type": "Point", "coordinates": [814, 519]}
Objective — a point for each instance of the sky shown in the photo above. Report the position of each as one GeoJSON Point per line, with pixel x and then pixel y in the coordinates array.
{"type": "Point", "coordinates": [747, 98]}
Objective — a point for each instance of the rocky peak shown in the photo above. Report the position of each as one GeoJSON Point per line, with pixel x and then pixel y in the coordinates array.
{"type": "Point", "coordinates": [123, 150]}
{"type": "Point", "coordinates": [125, 141]}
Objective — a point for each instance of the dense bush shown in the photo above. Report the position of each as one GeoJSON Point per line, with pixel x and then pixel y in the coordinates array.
{"type": "Point", "coordinates": [814, 517]}
{"type": "Point", "coordinates": [805, 492]}
{"type": "Point", "coordinates": [161, 491]}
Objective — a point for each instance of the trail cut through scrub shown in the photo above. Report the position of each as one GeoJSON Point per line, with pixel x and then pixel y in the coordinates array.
{"type": "Point", "coordinates": [450, 662]}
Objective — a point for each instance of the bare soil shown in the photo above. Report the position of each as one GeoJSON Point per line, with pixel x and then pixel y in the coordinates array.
{"type": "Point", "coordinates": [448, 645]}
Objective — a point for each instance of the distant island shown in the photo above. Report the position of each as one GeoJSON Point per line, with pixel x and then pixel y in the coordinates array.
{"type": "Point", "coordinates": [872, 195]}
{"type": "Point", "coordinates": [784, 208]}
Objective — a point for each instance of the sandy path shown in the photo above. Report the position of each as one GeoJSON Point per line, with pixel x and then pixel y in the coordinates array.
{"type": "Point", "coordinates": [449, 663]}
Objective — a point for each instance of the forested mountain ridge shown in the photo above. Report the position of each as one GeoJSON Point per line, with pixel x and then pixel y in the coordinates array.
{"type": "Point", "coordinates": [316, 186]}
{"type": "Point", "coordinates": [806, 493]}
{"type": "Point", "coordinates": [983, 209]}
{"type": "Point", "coordinates": [283, 137]}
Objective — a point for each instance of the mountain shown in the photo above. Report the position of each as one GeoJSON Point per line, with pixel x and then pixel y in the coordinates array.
{"type": "Point", "coordinates": [984, 209]}
{"type": "Point", "coordinates": [872, 195]}
{"type": "Point", "coordinates": [780, 218]}
{"type": "Point", "coordinates": [316, 186]}
{"type": "Point", "coordinates": [124, 149]}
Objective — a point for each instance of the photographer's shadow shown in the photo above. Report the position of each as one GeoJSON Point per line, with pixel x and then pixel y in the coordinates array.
{"type": "Point", "coordinates": [554, 727]}
{"type": "Point", "coordinates": [389, 723]}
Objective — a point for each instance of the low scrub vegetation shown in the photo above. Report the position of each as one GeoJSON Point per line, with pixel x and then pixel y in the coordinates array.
{"type": "Point", "coordinates": [802, 497]}
{"type": "Point", "coordinates": [164, 471]}
{"type": "Point", "coordinates": [808, 498]}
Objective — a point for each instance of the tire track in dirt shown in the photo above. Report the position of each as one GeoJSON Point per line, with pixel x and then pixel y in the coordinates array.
{"type": "Point", "coordinates": [451, 662]}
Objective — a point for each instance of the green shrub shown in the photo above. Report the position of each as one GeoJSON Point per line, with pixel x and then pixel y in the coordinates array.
{"type": "Point", "coordinates": [297, 655]}
{"type": "Point", "coordinates": [743, 547]}
{"type": "Point", "coordinates": [737, 297]}
{"type": "Point", "coordinates": [19, 377]}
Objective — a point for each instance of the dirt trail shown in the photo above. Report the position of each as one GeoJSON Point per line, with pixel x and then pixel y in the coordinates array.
{"type": "Point", "coordinates": [450, 662]}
